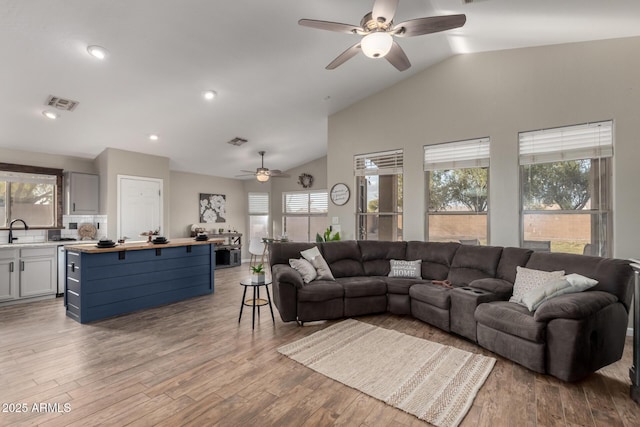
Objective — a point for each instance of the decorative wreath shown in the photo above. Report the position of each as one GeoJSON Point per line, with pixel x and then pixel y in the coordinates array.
{"type": "Point", "coordinates": [305, 180]}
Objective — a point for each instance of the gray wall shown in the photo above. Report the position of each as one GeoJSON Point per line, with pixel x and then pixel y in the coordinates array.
{"type": "Point", "coordinates": [67, 163]}
{"type": "Point", "coordinates": [498, 94]}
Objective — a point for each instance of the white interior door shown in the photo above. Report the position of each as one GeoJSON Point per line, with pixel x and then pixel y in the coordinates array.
{"type": "Point", "coordinates": [139, 206]}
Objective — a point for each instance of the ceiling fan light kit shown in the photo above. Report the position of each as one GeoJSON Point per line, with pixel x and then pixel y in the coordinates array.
{"type": "Point", "coordinates": [377, 30]}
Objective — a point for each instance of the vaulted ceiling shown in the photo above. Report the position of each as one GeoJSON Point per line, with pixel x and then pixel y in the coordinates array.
{"type": "Point", "coordinates": [268, 72]}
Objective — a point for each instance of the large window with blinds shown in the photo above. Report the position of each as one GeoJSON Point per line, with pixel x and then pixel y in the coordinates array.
{"type": "Point", "coordinates": [304, 214]}
{"type": "Point", "coordinates": [565, 177]}
{"type": "Point", "coordinates": [31, 194]}
{"type": "Point", "coordinates": [258, 215]}
{"type": "Point", "coordinates": [379, 195]}
{"type": "Point", "coordinates": [457, 191]}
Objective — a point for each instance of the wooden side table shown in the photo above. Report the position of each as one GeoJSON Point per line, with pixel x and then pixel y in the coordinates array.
{"type": "Point", "coordinates": [256, 302]}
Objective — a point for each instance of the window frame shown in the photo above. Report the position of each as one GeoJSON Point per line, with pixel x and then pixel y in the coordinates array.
{"type": "Point", "coordinates": [259, 213]}
{"type": "Point", "coordinates": [308, 214]}
{"type": "Point", "coordinates": [455, 155]}
{"type": "Point", "coordinates": [38, 170]}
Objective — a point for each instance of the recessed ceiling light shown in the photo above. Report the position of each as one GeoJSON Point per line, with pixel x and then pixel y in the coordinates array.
{"type": "Point", "coordinates": [97, 52]}
{"type": "Point", "coordinates": [154, 137]}
{"type": "Point", "coordinates": [209, 95]}
{"type": "Point", "coordinates": [50, 114]}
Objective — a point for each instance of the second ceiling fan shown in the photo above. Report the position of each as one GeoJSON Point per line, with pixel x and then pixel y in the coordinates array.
{"type": "Point", "coordinates": [378, 30]}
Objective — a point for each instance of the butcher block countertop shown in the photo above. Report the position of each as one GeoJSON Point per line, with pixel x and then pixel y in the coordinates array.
{"type": "Point", "coordinates": [137, 246]}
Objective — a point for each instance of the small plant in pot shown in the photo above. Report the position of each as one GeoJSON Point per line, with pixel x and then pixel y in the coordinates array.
{"type": "Point", "coordinates": [257, 273]}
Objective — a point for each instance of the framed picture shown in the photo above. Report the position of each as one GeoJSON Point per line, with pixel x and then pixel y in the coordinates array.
{"type": "Point", "coordinates": [213, 208]}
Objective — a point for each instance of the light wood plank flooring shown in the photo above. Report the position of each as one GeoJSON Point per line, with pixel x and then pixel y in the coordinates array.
{"type": "Point", "coordinates": [191, 363]}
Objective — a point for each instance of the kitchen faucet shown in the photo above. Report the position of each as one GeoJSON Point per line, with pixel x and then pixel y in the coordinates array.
{"type": "Point", "coordinates": [11, 238]}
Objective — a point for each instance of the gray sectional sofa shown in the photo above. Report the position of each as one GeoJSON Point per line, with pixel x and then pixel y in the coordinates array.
{"type": "Point", "coordinates": [569, 336]}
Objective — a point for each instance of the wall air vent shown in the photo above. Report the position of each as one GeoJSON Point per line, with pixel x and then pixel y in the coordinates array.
{"type": "Point", "coordinates": [61, 103]}
{"type": "Point", "coordinates": [237, 141]}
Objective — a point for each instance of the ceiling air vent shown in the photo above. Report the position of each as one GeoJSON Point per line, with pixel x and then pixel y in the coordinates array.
{"type": "Point", "coordinates": [237, 141]}
{"type": "Point", "coordinates": [61, 103]}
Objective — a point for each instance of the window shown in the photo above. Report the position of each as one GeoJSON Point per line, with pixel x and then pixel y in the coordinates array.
{"type": "Point", "coordinates": [565, 176]}
{"type": "Point", "coordinates": [258, 215]}
{"type": "Point", "coordinates": [457, 191]}
{"type": "Point", "coordinates": [32, 194]}
{"type": "Point", "coordinates": [379, 193]}
{"type": "Point", "coordinates": [304, 214]}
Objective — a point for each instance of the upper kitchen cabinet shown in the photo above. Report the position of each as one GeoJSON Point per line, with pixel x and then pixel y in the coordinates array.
{"type": "Point", "coordinates": [82, 193]}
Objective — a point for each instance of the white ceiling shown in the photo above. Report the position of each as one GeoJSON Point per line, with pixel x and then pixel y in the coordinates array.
{"type": "Point", "coordinates": [268, 71]}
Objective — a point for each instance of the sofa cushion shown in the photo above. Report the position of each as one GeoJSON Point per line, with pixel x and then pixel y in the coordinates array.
{"type": "Point", "coordinates": [513, 319]}
{"type": "Point", "coordinates": [528, 279]}
{"type": "Point", "coordinates": [318, 262]}
{"type": "Point", "coordinates": [305, 268]}
{"type": "Point", "coordinates": [399, 285]}
{"type": "Point", "coordinates": [500, 287]}
{"type": "Point", "coordinates": [376, 255]}
{"type": "Point", "coordinates": [320, 290]}
{"type": "Point", "coordinates": [438, 296]}
{"type": "Point", "coordinates": [356, 287]}
{"type": "Point", "coordinates": [402, 268]}
{"type": "Point", "coordinates": [281, 253]}
{"type": "Point", "coordinates": [474, 262]}
{"type": "Point", "coordinates": [344, 258]}
{"type": "Point", "coordinates": [436, 257]}
{"type": "Point", "coordinates": [574, 306]}
{"type": "Point", "coordinates": [509, 260]}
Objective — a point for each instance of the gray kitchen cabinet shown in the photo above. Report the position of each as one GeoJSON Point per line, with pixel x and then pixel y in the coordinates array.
{"type": "Point", "coordinates": [82, 192]}
{"type": "Point", "coordinates": [8, 275]}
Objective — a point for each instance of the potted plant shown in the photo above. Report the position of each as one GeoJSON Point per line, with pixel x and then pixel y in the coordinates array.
{"type": "Point", "coordinates": [257, 274]}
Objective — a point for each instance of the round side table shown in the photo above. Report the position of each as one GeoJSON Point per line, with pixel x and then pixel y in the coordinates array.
{"type": "Point", "coordinates": [256, 302]}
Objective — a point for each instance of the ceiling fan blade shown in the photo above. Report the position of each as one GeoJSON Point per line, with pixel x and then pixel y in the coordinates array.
{"type": "Point", "coordinates": [384, 10]}
{"type": "Point", "coordinates": [397, 57]}
{"type": "Point", "coordinates": [330, 26]}
{"type": "Point", "coordinates": [344, 56]}
{"type": "Point", "coordinates": [246, 171]}
{"type": "Point", "coordinates": [280, 175]}
{"type": "Point", "coordinates": [432, 24]}
{"type": "Point", "coordinates": [246, 174]}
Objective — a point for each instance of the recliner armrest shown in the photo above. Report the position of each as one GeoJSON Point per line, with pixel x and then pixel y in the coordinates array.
{"type": "Point", "coordinates": [500, 287]}
{"type": "Point", "coordinates": [573, 306]}
{"type": "Point", "coordinates": [282, 273]}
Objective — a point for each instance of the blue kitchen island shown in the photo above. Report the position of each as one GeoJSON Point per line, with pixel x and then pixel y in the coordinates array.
{"type": "Point", "coordinates": [106, 282]}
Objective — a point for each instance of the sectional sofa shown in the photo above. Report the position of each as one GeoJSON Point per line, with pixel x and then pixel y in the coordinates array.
{"type": "Point", "coordinates": [569, 336]}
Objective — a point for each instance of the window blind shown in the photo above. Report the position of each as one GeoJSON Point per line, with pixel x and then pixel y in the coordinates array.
{"type": "Point", "coordinates": [305, 202]}
{"type": "Point", "coordinates": [587, 141]}
{"type": "Point", "coordinates": [382, 163]}
{"type": "Point", "coordinates": [258, 203]}
{"type": "Point", "coordinates": [27, 178]}
{"type": "Point", "coordinates": [472, 153]}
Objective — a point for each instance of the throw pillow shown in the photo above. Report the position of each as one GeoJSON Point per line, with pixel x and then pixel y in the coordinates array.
{"type": "Point", "coordinates": [304, 267]}
{"type": "Point", "coordinates": [409, 269]}
{"type": "Point", "coordinates": [537, 296]}
{"type": "Point", "coordinates": [580, 282]}
{"type": "Point", "coordinates": [315, 258]}
{"type": "Point", "coordinates": [528, 279]}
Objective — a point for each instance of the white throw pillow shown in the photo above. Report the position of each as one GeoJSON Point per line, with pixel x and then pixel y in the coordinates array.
{"type": "Point", "coordinates": [537, 296]}
{"type": "Point", "coordinates": [315, 258]}
{"type": "Point", "coordinates": [528, 279]}
{"type": "Point", "coordinates": [408, 269]}
{"type": "Point", "coordinates": [580, 282]}
{"type": "Point", "coordinates": [304, 267]}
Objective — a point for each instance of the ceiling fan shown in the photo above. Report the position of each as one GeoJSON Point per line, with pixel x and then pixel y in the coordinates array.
{"type": "Point", "coordinates": [378, 29]}
{"type": "Point", "coordinates": [263, 174]}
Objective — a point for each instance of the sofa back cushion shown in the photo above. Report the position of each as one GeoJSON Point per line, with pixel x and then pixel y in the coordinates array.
{"type": "Point", "coordinates": [436, 257]}
{"type": "Point", "coordinates": [344, 258]}
{"type": "Point", "coordinates": [376, 255]}
{"type": "Point", "coordinates": [613, 275]}
{"type": "Point", "coordinates": [474, 262]}
{"type": "Point", "coordinates": [280, 253]}
{"type": "Point", "coordinates": [509, 260]}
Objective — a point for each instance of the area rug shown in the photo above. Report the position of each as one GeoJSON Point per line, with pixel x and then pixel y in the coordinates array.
{"type": "Point", "coordinates": [434, 382]}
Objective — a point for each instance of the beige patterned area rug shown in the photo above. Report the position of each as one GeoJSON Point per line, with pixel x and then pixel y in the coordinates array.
{"type": "Point", "coordinates": [434, 382]}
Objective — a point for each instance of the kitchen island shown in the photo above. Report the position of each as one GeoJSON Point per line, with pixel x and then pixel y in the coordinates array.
{"type": "Point", "coordinates": [105, 282]}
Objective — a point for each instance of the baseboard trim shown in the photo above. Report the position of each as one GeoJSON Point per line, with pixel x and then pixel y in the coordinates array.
{"type": "Point", "coordinates": [629, 332]}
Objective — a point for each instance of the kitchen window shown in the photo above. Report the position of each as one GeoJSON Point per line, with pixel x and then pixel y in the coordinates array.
{"type": "Point", "coordinates": [30, 193]}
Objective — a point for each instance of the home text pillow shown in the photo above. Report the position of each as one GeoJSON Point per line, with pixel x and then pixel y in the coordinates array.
{"type": "Point", "coordinates": [528, 279]}
{"type": "Point", "coordinates": [304, 267]}
{"type": "Point", "coordinates": [408, 269]}
{"type": "Point", "coordinates": [569, 284]}
{"type": "Point", "coordinates": [315, 258]}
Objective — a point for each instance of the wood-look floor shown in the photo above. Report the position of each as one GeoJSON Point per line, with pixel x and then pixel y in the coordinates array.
{"type": "Point", "coordinates": [191, 363]}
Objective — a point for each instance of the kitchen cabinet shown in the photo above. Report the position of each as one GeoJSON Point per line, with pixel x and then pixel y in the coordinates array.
{"type": "Point", "coordinates": [27, 272]}
{"type": "Point", "coordinates": [82, 192]}
{"type": "Point", "coordinates": [8, 275]}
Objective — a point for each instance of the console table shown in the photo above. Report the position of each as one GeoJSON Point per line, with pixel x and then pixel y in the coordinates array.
{"type": "Point", "coordinates": [228, 253]}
